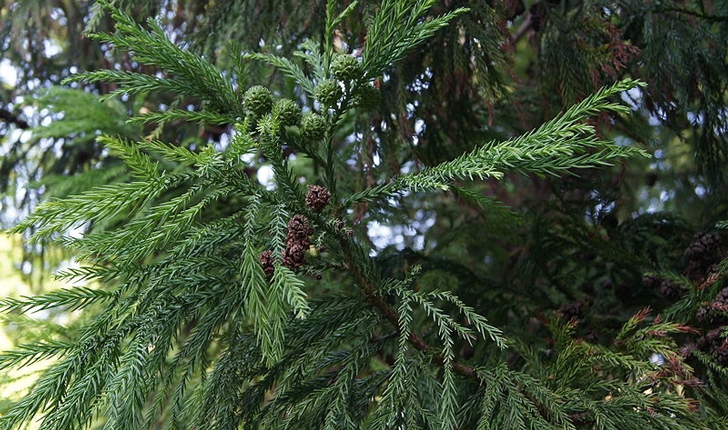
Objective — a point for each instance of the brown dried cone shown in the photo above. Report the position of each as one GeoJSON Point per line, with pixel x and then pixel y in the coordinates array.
{"type": "Point", "coordinates": [294, 256]}
{"type": "Point", "coordinates": [298, 229]}
{"type": "Point", "coordinates": [671, 289]}
{"type": "Point", "coordinates": [266, 260]}
{"type": "Point", "coordinates": [573, 311]}
{"type": "Point", "coordinates": [716, 344]}
{"type": "Point", "coordinates": [721, 353]}
{"type": "Point", "coordinates": [703, 243]}
{"type": "Point", "coordinates": [703, 254]}
{"type": "Point", "coordinates": [716, 311]}
{"type": "Point", "coordinates": [317, 198]}
{"type": "Point", "coordinates": [666, 287]}
{"type": "Point", "coordinates": [298, 241]}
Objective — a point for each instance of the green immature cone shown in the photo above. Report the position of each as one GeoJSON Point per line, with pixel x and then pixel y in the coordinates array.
{"type": "Point", "coordinates": [367, 97]}
{"type": "Point", "coordinates": [258, 100]}
{"type": "Point", "coordinates": [287, 112]}
{"type": "Point", "coordinates": [346, 68]}
{"type": "Point", "coordinates": [313, 126]}
{"type": "Point", "coordinates": [328, 93]}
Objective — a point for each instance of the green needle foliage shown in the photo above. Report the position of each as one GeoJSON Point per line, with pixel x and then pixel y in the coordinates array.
{"type": "Point", "coordinates": [219, 302]}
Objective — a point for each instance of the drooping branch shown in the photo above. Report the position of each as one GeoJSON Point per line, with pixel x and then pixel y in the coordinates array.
{"type": "Point", "coordinates": [369, 290]}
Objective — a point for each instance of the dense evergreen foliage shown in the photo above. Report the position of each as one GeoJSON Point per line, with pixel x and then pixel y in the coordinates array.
{"type": "Point", "coordinates": [395, 214]}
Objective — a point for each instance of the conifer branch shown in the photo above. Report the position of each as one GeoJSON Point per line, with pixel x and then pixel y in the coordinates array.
{"type": "Point", "coordinates": [559, 146]}
{"type": "Point", "coordinates": [27, 354]}
{"type": "Point", "coordinates": [188, 73]}
{"type": "Point", "coordinates": [289, 68]}
{"type": "Point", "coordinates": [370, 292]}
{"type": "Point", "coordinates": [68, 298]}
{"type": "Point", "coordinates": [103, 202]}
{"type": "Point", "coordinates": [397, 28]}
{"type": "Point", "coordinates": [172, 115]}
{"type": "Point", "coordinates": [310, 53]}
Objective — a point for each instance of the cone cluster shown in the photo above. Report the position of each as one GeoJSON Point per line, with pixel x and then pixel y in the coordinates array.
{"type": "Point", "coordinates": [298, 241]}
{"type": "Point", "coordinates": [715, 312]}
{"type": "Point", "coordinates": [298, 236]}
{"type": "Point", "coordinates": [716, 344]}
{"type": "Point", "coordinates": [665, 286]}
{"type": "Point", "coordinates": [317, 198]}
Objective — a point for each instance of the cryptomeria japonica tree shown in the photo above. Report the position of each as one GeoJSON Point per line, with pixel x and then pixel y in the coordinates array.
{"type": "Point", "coordinates": [366, 233]}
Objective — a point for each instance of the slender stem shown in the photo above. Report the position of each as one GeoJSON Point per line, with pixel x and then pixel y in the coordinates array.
{"type": "Point", "coordinates": [330, 174]}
